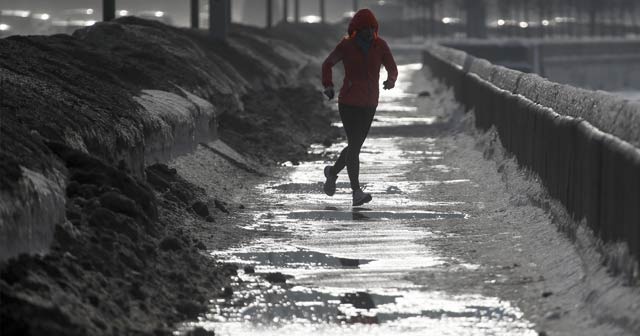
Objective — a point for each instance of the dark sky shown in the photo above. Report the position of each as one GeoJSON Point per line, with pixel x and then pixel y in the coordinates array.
{"type": "Point", "coordinates": [179, 9]}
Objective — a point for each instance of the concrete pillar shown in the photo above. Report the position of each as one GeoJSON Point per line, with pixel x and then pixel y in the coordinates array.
{"type": "Point", "coordinates": [323, 12]}
{"type": "Point", "coordinates": [296, 11]}
{"type": "Point", "coordinates": [108, 10]}
{"type": "Point", "coordinates": [423, 17]}
{"type": "Point", "coordinates": [432, 18]}
{"type": "Point", "coordinates": [269, 13]}
{"type": "Point", "coordinates": [356, 5]}
{"type": "Point", "coordinates": [195, 14]}
{"type": "Point", "coordinates": [476, 18]}
{"type": "Point", "coordinates": [218, 19]}
{"type": "Point", "coordinates": [285, 11]}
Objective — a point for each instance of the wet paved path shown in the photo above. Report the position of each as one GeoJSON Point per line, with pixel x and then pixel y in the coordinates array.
{"type": "Point", "coordinates": [352, 271]}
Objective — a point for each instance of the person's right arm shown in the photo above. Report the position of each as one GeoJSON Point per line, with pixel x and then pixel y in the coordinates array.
{"type": "Point", "coordinates": [391, 67]}
{"type": "Point", "coordinates": [327, 73]}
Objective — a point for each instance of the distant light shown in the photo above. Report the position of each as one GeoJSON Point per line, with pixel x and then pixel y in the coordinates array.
{"type": "Point", "coordinates": [545, 22]}
{"type": "Point", "coordinates": [501, 22]}
{"type": "Point", "coordinates": [16, 12]}
{"type": "Point", "coordinates": [311, 19]}
{"type": "Point", "coordinates": [4, 27]}
{"type": "Point", "coordinates": [523, 24]}
{"type": "Point", "coordinates": [42, 16]}
{"type": "Point", "coordinates": [448, 20]}
{"type": "Point", "coordinates": [564, 19]}
{"type": "Point", "coordinates": [89, 23]}
{"type": "Point", "coordinates": [159, 14]}
{"type": "Point", "coordinates": [381, 2]}
{"type": "Point", "coordinates": [124, 12]}
{"type": "Point", "coordinates": [89, 11]}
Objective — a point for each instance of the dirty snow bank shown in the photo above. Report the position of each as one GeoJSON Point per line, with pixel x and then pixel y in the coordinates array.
{"type": "Point", "coordinates": [131, 92]}
{"type": "Point", "coordinates": [88, 121]}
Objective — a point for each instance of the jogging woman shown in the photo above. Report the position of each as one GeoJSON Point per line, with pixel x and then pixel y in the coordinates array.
{"type": "Point", "coordinates": [362, 53]}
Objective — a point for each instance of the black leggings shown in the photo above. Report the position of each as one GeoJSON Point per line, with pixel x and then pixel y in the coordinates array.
{"type": "Point", "coordinates": [356, 122]}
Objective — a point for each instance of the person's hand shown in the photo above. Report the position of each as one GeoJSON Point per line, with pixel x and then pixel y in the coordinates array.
{"type": "Point", "coordinates": [329, 92]}
{"type": "Point", "coordinates": [388, 85]}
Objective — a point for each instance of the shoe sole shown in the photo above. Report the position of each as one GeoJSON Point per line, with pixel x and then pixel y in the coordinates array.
{"type": "Point", "coordinates": [329, 188]}
{"type": "Point", "coordinates": [363, 201]}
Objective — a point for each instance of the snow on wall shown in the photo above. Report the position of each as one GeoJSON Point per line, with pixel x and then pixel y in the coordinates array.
{"type": "Point", "coordinates": [176, 124]}
{"type": "Point", "coordinates": [584, 145]}
{"type": "Point", "coordinates": [28, 215]}
{"type": "Point", "coordinates": [602, 64]}
{"type": "Point", "coordinates": [608, 112]}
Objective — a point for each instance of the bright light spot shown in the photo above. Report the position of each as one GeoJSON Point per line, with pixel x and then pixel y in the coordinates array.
{"type": "Point", "coordinates": [311, 19]}
{"type": "Point", "coordinates": [89, 23]}
{"type": "Point", "coordinates": [450, 20]}
{"type": "Point", "coordinates": [159, 14]}
{"type": "Point", "coordinates": [545, 22]}
{"type": "Point", "coordinates": [501, 22]}
{"type": "Point", "coordinates": [89, 11]}
{"type": "Point", "coordinates": [124, 12]}
{"type": "Point", "coordinates": [381, 2]}
{"type": "Point", "coordinates": [15, 12]}
{"type": "Point", "coordinates": [523, 24]}
{"type": "Point", "coordinates": [4, 27]}
{"type": "Point", "coordinates": [42, 16]}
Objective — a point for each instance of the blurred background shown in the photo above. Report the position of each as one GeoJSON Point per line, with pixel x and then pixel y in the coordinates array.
{"type": "Point", "coordinates": [411, 19]}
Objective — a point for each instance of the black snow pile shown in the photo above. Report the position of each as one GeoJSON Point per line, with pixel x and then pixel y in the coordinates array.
{"type": "Point", "coordinates": [117, 267]}
{"type": "Point", "coordinates": [79, 89]}
{"type": "Point", "coordinates": [124, 262]}
{"type": "Point", "coordinates": [279, 125]}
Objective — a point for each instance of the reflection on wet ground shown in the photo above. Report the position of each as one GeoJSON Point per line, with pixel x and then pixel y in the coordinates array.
{"type": "Point", "coordinates": [343, 270]}
{"type": "Point", "coordinates": [333, 215]}
{"type": "Point", "coordinates": [294, 258]}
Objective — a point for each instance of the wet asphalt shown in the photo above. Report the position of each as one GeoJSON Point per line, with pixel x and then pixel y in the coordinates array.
{"type": "Point", "coordinates": [326, 268]}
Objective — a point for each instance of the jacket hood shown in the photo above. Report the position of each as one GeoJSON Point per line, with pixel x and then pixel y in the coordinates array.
{"type": "Point", "coordinates": [364, 18]}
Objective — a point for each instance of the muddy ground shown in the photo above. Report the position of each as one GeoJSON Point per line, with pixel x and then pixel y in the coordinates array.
{"type": "Point", "coordinates": [129, 259]}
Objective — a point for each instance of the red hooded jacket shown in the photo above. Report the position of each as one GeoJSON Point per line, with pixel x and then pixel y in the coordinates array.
{"type": "Point", "coordinates": [362, 72]}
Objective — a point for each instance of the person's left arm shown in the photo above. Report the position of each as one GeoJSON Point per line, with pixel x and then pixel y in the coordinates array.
{"type": "Point", "coordinates": [390, 65]}
{"type": "Point", "coordinates": [327, 73]}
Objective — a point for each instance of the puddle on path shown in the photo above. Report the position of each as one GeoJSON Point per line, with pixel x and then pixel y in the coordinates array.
{"type": "Point", "coordinates": [343, 270]}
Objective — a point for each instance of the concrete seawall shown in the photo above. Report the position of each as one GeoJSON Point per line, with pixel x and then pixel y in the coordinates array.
{"type": "Point", "coordinates": [582, 144]}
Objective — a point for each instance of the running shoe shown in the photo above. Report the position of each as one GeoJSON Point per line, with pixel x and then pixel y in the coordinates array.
{"type": "Point", "coordinates": [360, 197]}
{"type": "Point", "coordinates": [330, 183]}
